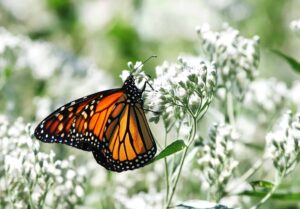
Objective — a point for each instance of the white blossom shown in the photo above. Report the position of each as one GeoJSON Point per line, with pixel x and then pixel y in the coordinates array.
{"type": "Point", "coordinates": [96, 14]}
{"type": "Point", "coordinates": [217, 162]}
{"type": "Point", "coordinates": [283, 143]}
{"type": "Point", "coordinates": [151, 200]}
{"type": "Point", "coordinates": [295, 27]}
{"type": "Point", "coordinates": [180, 88]}
{"type": "Point", "coordinates": [27, 11]}
{"type": "Point", "coordinates": [266, 96]}
{"type": "Point", "coordinates": [45, 62]}
{"type": "Point", "coordinates": [79, 191]}
{"type": "Point", "coordinates": [293, 93]}
{"type": "Point", "coordinates": [28, 170]}
{"type": "Point", "coordinates": [236, 58]}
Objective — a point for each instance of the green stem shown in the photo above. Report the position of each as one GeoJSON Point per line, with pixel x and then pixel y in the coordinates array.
{"type": "Point", "coordinates": [190, 140]}
{"type": "Point", "coordinates": [7, 191]}
{"type": "Point", "coordinates": [229, 116]}
{"type": "Point", "coordinates": [30, 199]}
{"type": "Point", "coordinates": [247, 174]}
{"type": "Point", "coordinates": [43, 198]}
{"type": "Point", "coordinates": [167, 172]}
{"type": "Point", "coordinates": [252, 170]}
{"type": "Point", "coordinates": [177, 178]}
{"type": "Point", "coordinates": [270, 193]}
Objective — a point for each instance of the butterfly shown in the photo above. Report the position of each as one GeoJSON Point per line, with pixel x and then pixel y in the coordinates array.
{"type": "Point", "coordinates": [111, 124]}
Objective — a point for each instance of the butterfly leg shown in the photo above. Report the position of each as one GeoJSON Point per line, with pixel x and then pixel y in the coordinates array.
{"type": "Point", "coordinates": [145, 85]}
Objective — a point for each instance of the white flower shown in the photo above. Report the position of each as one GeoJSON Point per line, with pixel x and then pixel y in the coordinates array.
{"type": "Point", "coordinates": [79, 191]}
{"type": "Point", "coordinates": [217, 161]}
{"type": "Point", "coordinates": [293, 94]}
{"type": "Point", "coordinates": [151, 200]}
{"type": "Point", "coordinates": [137, 71]}
{"type": "Point", "coordinates": [26, 165]}
{"type": "Point", "coordinates": [283, 143]}
{"type": "Point", "coordinates": [46, 62]}
{"type": "Point", "coordinates": [8, 41]}
{"type": "Point", "coordinates": [95, 14]}
{"type": "Point", "coordinates": [20, 204]}
{"type": "Point", "coordinates": [36, 196]}
{"type": "Point", "coordinates": [64, 164]}
{"type": "Point", "coordinates": [12, 164]}
{"type": "Point", "coordinates": [266, 96]}
{"type": "Point", "coordinates": [68, 185]}
{"type": "Point", "coordinates": [187, 86]}
{"type": "Point", "coordinates": [124, 75]}
{"type": "Point", "coordinates": [27, 13]}
{"type": "Point", "coordinates": [70, 174]}
{"type": "Point", "coordinates": [295, 26]}
{"type": "Point", "coordinates": [236, 57]}
{"type": "Point", "coordinates": [37, 53]}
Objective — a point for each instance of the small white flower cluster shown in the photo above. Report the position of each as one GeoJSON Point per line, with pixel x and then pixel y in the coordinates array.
{"type": "Point", "coordinates": [266, 96]}
{"type": "Point", "coordinates": [283, 144]}
{"type": "Point", "coordinates": [26, 14]}
{"type": "Point", "coordinates": [137, 71]}
{"type": "Point", "coordinates": [236, 57]}
{"type": "Point", "coordinates": [32, 178]}
{"type": "Point", "coordinates": [19, 52]}
{"type": "Point", "coordinates": [217, 160]}
{"type": "Point", "coordinates": [293, 94]}
{"type": "Point", "coordinates": [151, 200]}
{"type": "Point", "coordinates": [185, 87]}
{"type": "Point", "coordinates": [295, 27]}
{"type": "Point", "coordinates": [61, 71]}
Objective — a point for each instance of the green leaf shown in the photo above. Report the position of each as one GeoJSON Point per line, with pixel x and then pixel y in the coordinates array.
{"type": "Point", "coordinates": [253, 146]}
{"type": "Point", "coordinates": [277, 195]}
{"type": "Point", "coordinates": [290, 60]}
{"type": "Point", "coordinates": [261, 184]}
{"type": "Point", "coordinates": [172, 148]}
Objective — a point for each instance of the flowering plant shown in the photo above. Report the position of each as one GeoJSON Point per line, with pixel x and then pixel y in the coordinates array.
{"type": "Point", "coordinates": [30, 177]}
{"type": "Point", "coordinates": [211, 114]}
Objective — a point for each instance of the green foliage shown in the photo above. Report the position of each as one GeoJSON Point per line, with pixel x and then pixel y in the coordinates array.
{"type": "Point", "coordinates": [72, 40]}
{"type": "Point", "coordinates": [171, 149]}
{"type": "Point", "coordinates": [295, 65]}
{"type": "Point", "coordinates": [265, 185]}
{"type": "Point", "coordinates": [65, 10]}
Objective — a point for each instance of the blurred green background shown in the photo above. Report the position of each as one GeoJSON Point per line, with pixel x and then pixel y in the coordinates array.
{"type": "Point", "coordinates": [111, 33]}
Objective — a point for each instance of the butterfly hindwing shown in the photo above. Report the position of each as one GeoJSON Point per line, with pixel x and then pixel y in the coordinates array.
{"type": "Point", "coordinates": [129, 143]}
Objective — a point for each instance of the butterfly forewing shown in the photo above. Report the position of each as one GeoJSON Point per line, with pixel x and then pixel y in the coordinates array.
{"type": "Point", "coordinates": [74, 124]}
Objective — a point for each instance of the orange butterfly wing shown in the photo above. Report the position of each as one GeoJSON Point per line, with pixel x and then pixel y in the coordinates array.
{"type": "Point", "coordinates": [80, 123]}
{"type": "Point", "coordinates": [129, 143]}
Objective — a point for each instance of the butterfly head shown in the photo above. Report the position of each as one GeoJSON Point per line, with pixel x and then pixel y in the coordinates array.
{"type": "Point", "coordinates": [133, 92]}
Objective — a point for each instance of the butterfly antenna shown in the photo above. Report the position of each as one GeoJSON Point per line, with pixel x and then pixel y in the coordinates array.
{"type": "Point", "coordinates": [145, 61]}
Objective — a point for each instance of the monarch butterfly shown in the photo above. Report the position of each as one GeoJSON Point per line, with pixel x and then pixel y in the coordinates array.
{"type": "Point", "coordinates": [111, 124]}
